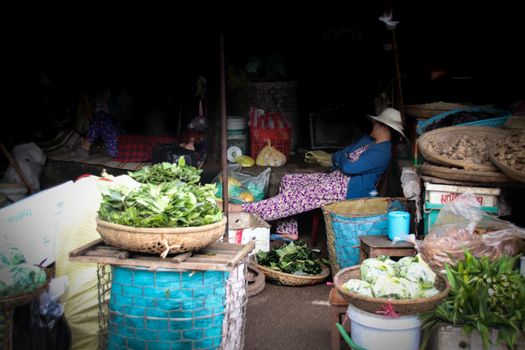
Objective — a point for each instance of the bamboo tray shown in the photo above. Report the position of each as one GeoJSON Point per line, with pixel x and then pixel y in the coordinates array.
{"type": "Point", "coordinates": [288, 279]}
{"type": "Point", "coordinates": [428, 110]}
{"type": "Point", "coordinates": [401, 306]}
{"type": "Point", "coordinates": [510, 172]}
{"type": "Point", "coordinates": [446, 135]}
{"type": "Point", "coordinates": [474, 176]}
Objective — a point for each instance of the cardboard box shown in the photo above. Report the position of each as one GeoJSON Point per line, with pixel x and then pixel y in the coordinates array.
{"type": "Point", "coordinates": [32, 224]}
{"type": "Point", "coordinates": [244, 227]}
{"type": "Point", "coordinates": [441, 194]}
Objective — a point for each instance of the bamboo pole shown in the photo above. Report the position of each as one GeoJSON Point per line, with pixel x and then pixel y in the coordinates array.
{"type": "Point", "coordinates": [224, 160]}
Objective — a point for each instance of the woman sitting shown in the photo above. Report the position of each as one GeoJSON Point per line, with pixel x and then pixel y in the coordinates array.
{"type": "Point", "coordinates": [356, 171]}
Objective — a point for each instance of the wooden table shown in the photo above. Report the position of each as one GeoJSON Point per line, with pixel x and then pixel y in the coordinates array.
{"type": "Point", "coordinates": [372, 246]}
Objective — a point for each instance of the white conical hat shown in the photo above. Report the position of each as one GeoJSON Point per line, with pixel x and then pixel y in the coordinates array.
{"type": "Point", "coordinates": [392, 118]}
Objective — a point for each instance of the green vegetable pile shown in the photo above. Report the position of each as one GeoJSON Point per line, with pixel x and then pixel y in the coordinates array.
{"type": "Point", "coordinates": [294, 258]}
{"type": "Point", "coordinates": [484, 294]}
{"type": "Point", "coordinates": [16, 276]}
{"type": "Point", "coordinates": [169, 195]}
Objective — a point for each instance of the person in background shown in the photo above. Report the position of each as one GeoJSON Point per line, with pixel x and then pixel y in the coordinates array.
{"type": "Point", "coordinates": [355, 173]}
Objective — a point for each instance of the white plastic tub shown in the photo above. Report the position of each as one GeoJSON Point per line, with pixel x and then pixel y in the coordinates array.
{"type": "Point", "coordinates": [377, 332]}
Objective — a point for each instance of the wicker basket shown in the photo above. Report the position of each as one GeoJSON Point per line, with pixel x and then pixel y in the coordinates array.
{"type": "Point", "coordinates": [512, 173]}
{"type": "Point", "coordinates": [428, 110]}
{"type": "Point", "coordinates": [474, 176]}
{"type": "Point", "coordinates": [288, 279]}
{"type": "Point", "coordinates": [403, 307]}
{"type": "Point", "coordinates": [446, 135]}
{"type": "Point", "coordinates": [159, 240]}
{"type": "Point", "coordinates": [11, 302]}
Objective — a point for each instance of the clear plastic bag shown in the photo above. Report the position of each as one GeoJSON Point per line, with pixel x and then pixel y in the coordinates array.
{"type": "Point", "coordinates": [460, 225]}
{"type": "Point", "coordinates": [244, 188]}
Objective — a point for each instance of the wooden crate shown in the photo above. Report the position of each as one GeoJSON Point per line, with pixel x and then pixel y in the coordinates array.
{"type": "Point", "coordinates": [218, 257]}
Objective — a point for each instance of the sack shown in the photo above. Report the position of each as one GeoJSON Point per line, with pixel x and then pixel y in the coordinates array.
{"type": "Point", "coordinates": [269, 156]}
{"type": "Point", "coordinates": [460, 225]}
{"type": "Point", "coordinates": [271, 127]}
{"type": "Point", "coordinates": [243, 188]}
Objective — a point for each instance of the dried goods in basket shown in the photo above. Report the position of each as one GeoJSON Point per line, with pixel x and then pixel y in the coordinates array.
{"type": "Point", "coordinates": [461, 146]}
{"type": "Point", "coordinates": [508, 155]}
{"type": "Point", "coordinates": [163, 240]}
{"type": "Point", "coordinates": [402, 307]}
{"type": "Point", "coordinates": [288, 279]}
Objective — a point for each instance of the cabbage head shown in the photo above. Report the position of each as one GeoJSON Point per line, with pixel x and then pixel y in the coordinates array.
{"type": "Point", "coordinates": [396, 288]}
{"type": "Point", "coordinates": [429, 292]}
{"type": "Point", "coordinates": [373, 268]}
{"type": "Point", "coordinates": [359, 286]}
{"type": "Point", "coordinates": [416, 270]}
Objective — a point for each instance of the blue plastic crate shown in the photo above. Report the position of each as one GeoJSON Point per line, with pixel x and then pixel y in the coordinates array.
{"type": "Point", "coordinates": [491, 122]}
{"type": "Point", "coordinates": [431, 212]}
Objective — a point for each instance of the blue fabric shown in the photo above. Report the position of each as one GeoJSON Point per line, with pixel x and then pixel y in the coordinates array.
{"type": "Point", "coordinates": [364, 172]}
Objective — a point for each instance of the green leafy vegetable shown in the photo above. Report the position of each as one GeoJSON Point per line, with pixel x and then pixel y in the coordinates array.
{"type": "Point", "coordinates": [484, 294]}
{"type": "Point", "coordinates": [294, 258]}
{"type": "Point", "coordinates": [169, 196]}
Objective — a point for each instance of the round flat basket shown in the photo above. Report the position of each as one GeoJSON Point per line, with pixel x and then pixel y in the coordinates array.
{"type": "Point", "coordinates": [403, 307]}
{"type": "Point", "coordinates": [447, 173]}
{"type": "Point", "coordinates": [158, 240]}
{"type": "Point", "coordinates": [447, 136]}
{"type": "Point", "coordinates": [288, 279]}
{"type": "Point", "coordinates": [13, 301]}
{"type": "Point", "coordinates": [428, 110]}
{"type": "Point", "coordinates": [510, 172]}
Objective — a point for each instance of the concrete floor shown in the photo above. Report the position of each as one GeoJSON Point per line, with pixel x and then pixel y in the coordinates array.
{"type": "Point", "coordinates": [291, 318]}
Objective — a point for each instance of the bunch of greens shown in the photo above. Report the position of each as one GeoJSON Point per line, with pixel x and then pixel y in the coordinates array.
{"type": "Point", "coordinates": [484, 294]}
{"type": "Point", "coordinates": [167, 172]}
{"type": "Point", "coordinates": [294, 258]}
{"type": "Point", "coordinates": [163, 199]}
{"type": "Point", "coordinates": [16, 275]}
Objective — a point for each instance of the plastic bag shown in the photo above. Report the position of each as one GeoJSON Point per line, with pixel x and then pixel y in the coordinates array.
{"type": "Point", "coordinates": [270, 156]}
{"type": "Point", "coordinates": [460, 225]}
{"type": "Point", "coordinates": [31, 160]}
{"type": "Point", "coordinates": [244, 188]}
{"type": "Point", "coordinates": [318, 157]}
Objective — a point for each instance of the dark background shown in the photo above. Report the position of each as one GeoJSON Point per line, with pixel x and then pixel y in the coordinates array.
{"type": "Point", "coordinates": [334, 51]}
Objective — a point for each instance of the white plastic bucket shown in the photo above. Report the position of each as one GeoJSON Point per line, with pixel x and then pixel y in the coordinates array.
{"type": "Point", "coordinates": [378, 332]}
{"type": "Point", "coordinates": [237, 132]}
{"type": "Point", "coordinates": [14, 192]}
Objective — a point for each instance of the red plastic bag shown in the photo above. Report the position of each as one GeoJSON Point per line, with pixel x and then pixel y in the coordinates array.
{"type": "Point", "coordinates": [271, 126]}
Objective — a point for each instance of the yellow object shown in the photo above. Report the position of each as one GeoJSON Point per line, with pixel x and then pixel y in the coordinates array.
{"type": "Point", "coordinates": [245, 161]}
{"type": "Point", "coordinates": [231, 181]}
{"type": "Point", "coordinates": [270, 156]}
{"type": "Point", "coordinates": [246, 196]}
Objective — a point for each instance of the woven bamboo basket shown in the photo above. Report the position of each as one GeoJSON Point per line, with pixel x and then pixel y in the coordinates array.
{"type": "Point", "coordinates": [402, 307]}
{"type": "Point", "coordinates": [510, 172]}
{"type": "Point", "coordinates": [428, 110]}
{"type": "Point", "coordinates": [288, 279]}
{"type": "Point", "coordinates": [159, 240]}
{"type": "Point", "coordinates": [447, 173]}
{"type": "Point", "coordinates": [447, 135]}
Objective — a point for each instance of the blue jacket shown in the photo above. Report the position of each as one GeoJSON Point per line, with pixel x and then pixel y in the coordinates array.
{"type": "Point", "coordinates": [364, 172]}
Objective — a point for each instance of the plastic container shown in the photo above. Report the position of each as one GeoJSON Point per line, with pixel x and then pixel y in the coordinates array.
{"type": "Point", "coordinates": [398, 224]}
{"type": "Point", "coordinates": [237, 132]}
{"type": "Point", "coordinates": [14, 192]}
{"type": "Point", "coordinates": [441, 194]}
{"type": "Point", "coordinates": [378, 332]}
{"type": "Point", "coordinates": [431, 212]}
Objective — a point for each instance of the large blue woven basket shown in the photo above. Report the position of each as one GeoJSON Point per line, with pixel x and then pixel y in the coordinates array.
{"type": "Point", "coordinates": [166, 309]}
{"type": "Point", "coordinates": [496, 122]}
{"type": "Point", "coordinates": [347, 220]}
